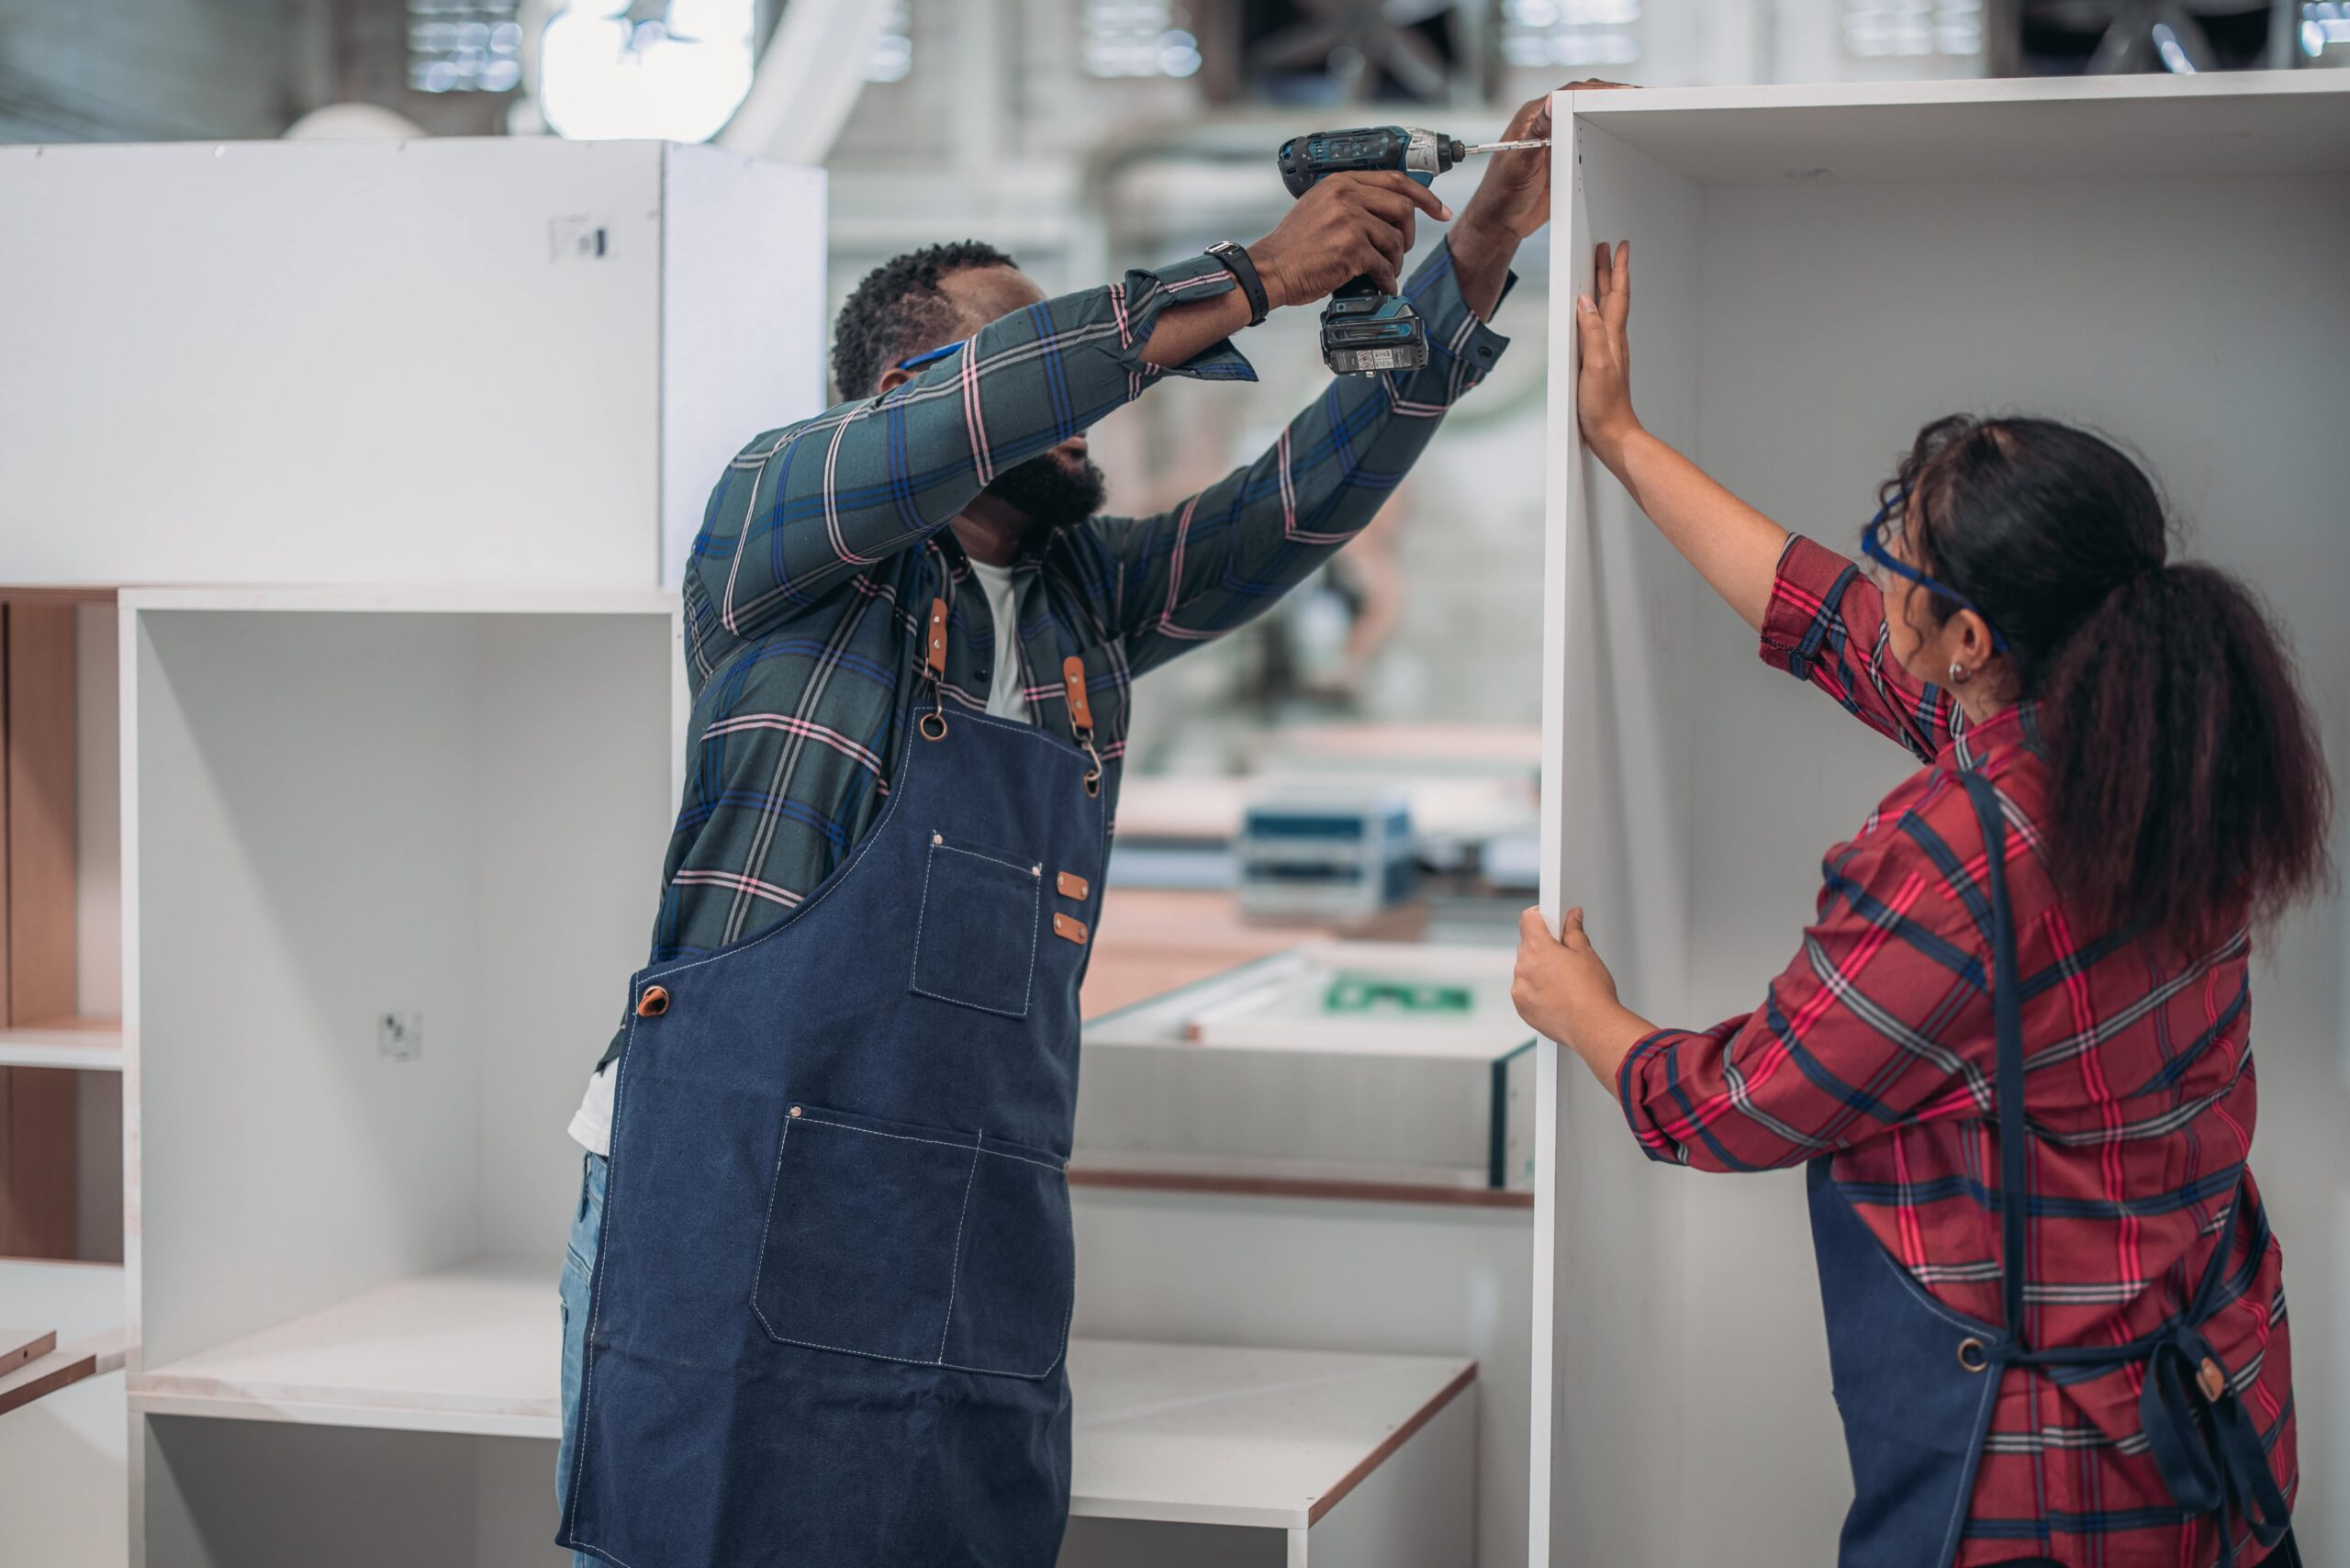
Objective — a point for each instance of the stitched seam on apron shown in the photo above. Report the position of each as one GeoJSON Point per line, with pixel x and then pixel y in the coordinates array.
{"type": "Point", "coordinates": [941, 1142]}
{"type": "Point", "coordinates": [759, 1272]}
{"type": "Point", "coordinates": [955, 1272]}
{"type": "Point", "coordinates": [944, 1366]}
{"type": "Point", "coordinates": [857, 856]}
{"type": "Point", "coordinates": [865, 847]}
{"type": "Point", "coordinates": [588, 1346]}
{"type": "Point", "coordinates": [765, 1227]}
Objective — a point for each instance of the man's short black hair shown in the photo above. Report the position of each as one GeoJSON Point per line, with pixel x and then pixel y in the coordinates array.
{"type": "Point", "coordinates": [898, 312]}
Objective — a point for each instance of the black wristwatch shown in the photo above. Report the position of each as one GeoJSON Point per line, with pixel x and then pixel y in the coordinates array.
{"type": "Point", "coordinates": [1235, 261]}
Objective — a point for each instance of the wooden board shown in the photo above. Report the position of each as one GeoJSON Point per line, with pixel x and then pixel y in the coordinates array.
{"type": "Point", "coordinates": [60, 1368]}
{"type": "Point", "coordinates": [19, 1346]}
{"type": "Point", "coordinates": [38, 1133]}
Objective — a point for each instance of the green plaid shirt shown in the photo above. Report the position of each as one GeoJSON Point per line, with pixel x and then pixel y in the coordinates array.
{"type": "Point", "coordinates": [808, 592]}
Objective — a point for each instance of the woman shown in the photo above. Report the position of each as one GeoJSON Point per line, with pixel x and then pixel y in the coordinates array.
{"type": "Point", "coordinates": [2121, 740]}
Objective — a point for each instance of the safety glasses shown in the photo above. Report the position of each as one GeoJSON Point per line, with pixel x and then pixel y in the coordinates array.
{"type": "Point", "coordinates": [933, 357]}
{"type": "Point", "coordinates": [1872, 546]}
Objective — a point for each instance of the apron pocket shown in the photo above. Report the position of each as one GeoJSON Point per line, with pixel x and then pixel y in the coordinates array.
{"type": "Point", "coordinates": [862, 1227]}
{"type": "Point", "coordinates": [975, 940]}
{"type": "Point", "coordinates": [1016, 1279]}
{"type": "Point", "coordinates": [913, 1244]}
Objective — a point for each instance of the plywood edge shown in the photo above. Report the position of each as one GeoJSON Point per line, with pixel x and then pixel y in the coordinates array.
{"type": "Point", "coordinates": [57, 593]}
{"type": "Point", "coordinates": [19, 1346]}
{"type": "Point", "coordinates": [1113, 1179]}
{"type": "Point", "coordinates": [148, 1401]}
{"type": "Point", "coordinates": [1395, 1440]}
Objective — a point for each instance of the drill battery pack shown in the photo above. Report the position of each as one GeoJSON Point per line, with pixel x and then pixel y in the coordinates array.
{"type": "Point", "coordinates": [1366, 332]}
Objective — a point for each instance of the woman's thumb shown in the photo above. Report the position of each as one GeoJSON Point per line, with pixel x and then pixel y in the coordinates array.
{"type": "Point", "coordinates": [1571, 928]}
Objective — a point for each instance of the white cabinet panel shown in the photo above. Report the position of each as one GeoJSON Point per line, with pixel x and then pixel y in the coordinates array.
{"type": "Point", "coordinates": [503, 361]}
{"type": "Point", "coordinates": [1817, 273]}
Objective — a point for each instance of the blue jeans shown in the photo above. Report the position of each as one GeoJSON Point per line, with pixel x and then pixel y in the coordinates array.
{"type": "Point", "coordinates": [578, 1268]}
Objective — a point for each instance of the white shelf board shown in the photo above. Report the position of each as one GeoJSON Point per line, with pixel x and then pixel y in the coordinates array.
{"type": "Point", "coordinates": [474, 1349]}
{"type": "Point", "coordinates": [1172, 1432]}
{"type": "Point", "coordinates": [424, 601]}
{"type": "Point", "coordinates": [88, 1044]}
{"type": "Point", "coordinates": [2247, 122]}
{"type": "Point", "coordinates": [1204, 1434]}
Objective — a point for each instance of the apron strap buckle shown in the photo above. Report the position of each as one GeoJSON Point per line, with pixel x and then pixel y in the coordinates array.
{"type": "Point", "coordinates": [932, 724]}
{"type": "Point", "coordinates": [2206, 1448]}
{"type": "Point", "coordinates": [1080, 718]}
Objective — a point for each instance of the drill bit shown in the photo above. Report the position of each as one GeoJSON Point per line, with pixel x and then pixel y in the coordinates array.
{"type": "Point", "coordinates": [1526, 146]}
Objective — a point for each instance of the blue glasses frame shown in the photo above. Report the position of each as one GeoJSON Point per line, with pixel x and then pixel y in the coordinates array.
{"type": "Point", "coordinates": [1872, 546]}
{"type": "Point", "coordinates": [933, 357]}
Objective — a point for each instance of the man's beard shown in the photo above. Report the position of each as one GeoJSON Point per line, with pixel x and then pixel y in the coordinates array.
{"type": "Point", "coordinates": [1051, 492]}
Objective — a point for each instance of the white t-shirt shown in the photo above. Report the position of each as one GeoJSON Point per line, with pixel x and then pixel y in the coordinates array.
{"type": "Point", "coordinates": [591, 1124]}
{"type": "Point", "coordinates": [1004, 683]}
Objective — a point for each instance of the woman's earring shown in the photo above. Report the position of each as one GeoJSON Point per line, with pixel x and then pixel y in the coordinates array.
{"type": "Point", "coordinates": [1959, 674]}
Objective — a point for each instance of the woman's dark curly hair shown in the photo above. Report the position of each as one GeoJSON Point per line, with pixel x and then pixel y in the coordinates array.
{"type": "Point", "coordinates": [898, 312]}
{"type": "Point", "coordinates": [2190, 790]}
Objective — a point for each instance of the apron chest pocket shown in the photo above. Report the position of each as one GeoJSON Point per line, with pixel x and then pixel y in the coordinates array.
{"type": "Point", "coordinates": [975, 940]}
{"type": "Point", "coordinates": [911, 1244]}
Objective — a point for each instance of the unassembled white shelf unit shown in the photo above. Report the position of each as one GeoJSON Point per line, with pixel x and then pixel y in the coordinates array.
{"type": "Point", "coordinates": [1247, 1455]}
{"type": "Point", "coordinates": [1380, 1066]}
{"type": "Point", "coordinates": [518, 360]}
{"type": "Point", "coordinates": [342, 807]}
{"type": "Point", "coordinates": [1817, 272]}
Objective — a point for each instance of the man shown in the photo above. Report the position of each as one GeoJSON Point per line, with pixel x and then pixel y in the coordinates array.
{"type": "Point", "coordinates": [818, 1297]}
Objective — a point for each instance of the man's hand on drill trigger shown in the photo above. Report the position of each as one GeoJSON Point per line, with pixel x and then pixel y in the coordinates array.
{"type": "Point", "coordinates": [1348, 226]}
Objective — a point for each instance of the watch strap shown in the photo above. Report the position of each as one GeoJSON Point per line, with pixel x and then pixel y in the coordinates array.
{"type": "Point", "coordinates": [1235, 261]}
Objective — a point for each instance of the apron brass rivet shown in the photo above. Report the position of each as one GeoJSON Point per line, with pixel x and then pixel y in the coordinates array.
{"type": "Point", "coordinates": [936, 838]}
{"type": "Point", "coordinates": [793, 1112]}
{"type": "Point", "coordinates": [1036, 870]}
{"type": "Point", "coordinates": [1970, 1355]}
{"type": "Point", "coordinates": [653, 1004]}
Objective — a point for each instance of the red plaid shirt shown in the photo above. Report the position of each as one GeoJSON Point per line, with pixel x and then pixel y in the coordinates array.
{"type": "Point", "coordinates": [1875, 1045]}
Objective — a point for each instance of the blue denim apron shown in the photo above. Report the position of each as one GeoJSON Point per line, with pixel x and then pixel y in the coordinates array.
{"type": "Point", "coordinates": [1916, 1381]}
{"type": "Point", "coordinates": [833, 1288]}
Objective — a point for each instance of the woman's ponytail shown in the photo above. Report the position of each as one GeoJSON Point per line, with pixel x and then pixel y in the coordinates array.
{"type": "Point", "coordinates": [2190, 792]}
{"type": "Point", "coordinates": [2190, 789]}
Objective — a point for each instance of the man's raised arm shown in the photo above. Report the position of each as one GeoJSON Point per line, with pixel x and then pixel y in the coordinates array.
{"type": "Point", "coordinates": [802, 507]}
{"type": "Point", "coordinates": [1222, 557]}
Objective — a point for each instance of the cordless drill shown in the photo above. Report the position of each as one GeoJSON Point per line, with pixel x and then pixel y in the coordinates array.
{"type": "Point", "coordinates": [1363, 331]}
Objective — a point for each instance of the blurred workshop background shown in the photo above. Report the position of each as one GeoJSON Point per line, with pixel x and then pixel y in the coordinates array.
{"type": "Point", "coordinates": [1085, 135]}
{"type": "Point", "coordinates": [1311, 1126]}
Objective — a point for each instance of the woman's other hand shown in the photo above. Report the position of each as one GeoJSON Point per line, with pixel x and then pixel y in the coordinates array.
{"type": "Point", "coordinates": [1563, 989]}
{"type": "Point", "coordinates": [1604, 373]}
{"type": "Point", "coordinates": [1560, 980]}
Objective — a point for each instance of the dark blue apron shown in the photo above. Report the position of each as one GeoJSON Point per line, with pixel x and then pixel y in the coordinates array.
{"type": "Point", "coordinates": [1916, 1381]}
{"type": "Point", "coordinates": [834, 1288]}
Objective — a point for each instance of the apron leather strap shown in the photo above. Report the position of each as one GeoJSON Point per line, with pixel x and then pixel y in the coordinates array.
{"type": "Point", "coordinates": [2206, 1448]}
{"type": "Point", "coordinates": [2006, 1016]}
